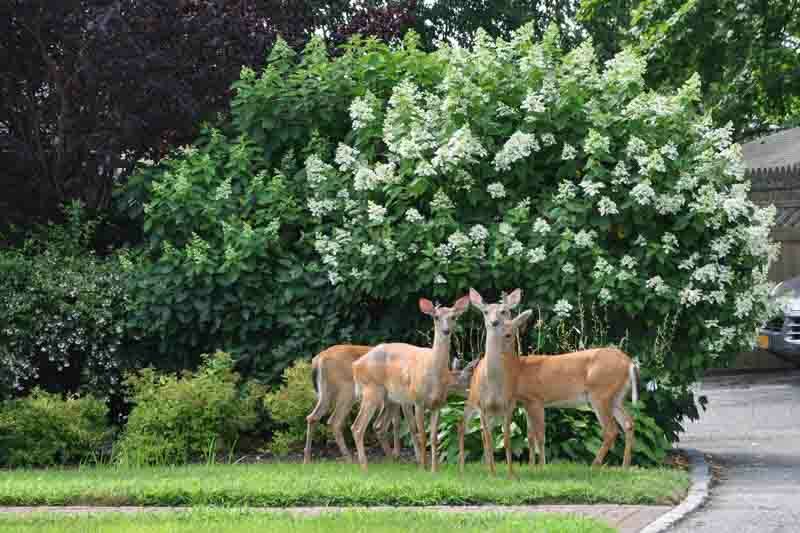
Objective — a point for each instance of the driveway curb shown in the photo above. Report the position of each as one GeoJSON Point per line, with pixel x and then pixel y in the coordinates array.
{"type": "Point", "coordinates": [697, 496]}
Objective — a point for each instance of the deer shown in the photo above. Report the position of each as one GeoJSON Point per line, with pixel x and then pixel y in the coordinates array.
{"type": "Point", "coordinates": [409, 375]}
{"type": "Point", "coordinates": [599, 377]}
{"type": "Point", "coordinates": [332, 377]}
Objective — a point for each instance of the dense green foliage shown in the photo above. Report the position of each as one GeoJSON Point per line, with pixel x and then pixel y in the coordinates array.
{"type": "Point", "coordinates": [44, 429]}
{"type": "Point", "coordinates": [177, 419]}
{"type": "Point", "coordinates": [63, 313]}
{"type": "Point", "coordinates": [331, 483]}
{"type": "Point", "coordinates": [248, 521]}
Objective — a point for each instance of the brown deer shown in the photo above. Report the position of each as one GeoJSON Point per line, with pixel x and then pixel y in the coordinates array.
{"type": "Point", "coordinates": [600, 377]}
{"type": "Point", "coordinates": [332, 376]}
{"type": "Point", "coordinates": [408, 375]}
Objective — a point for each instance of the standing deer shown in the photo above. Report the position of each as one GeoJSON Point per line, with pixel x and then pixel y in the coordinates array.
{"type": "Point", "coordinates": [600, 377]}
{"type": "Point", "coordinates": [332, 376]}
{"type": "Point", "coordinates": [408, 375]}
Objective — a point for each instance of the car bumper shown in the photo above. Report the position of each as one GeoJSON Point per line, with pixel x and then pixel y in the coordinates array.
{"type": "Point", "coordinates": [784, 343]}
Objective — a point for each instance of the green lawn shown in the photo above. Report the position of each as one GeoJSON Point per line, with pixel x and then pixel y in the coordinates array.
{"type": "Point", "coordinates": [237, 521]}
{"type": "Point", "coordinates": [329, 483]}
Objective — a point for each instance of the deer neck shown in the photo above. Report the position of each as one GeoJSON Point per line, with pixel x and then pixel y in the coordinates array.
{"type": "Point", "coordinates": [440, 353]}
{"type": "Point", "coordinates": [495, 361]}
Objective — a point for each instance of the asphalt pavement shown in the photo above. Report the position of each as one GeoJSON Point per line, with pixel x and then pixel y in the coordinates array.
{"type": "Point", "coordinates": [751, 428]}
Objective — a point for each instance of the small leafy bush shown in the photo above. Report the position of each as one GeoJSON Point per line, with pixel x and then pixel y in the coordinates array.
{"type": "Point", "coordinates": [571, 435]}
{"type": "Point", "coordinates": [45, 429]}
{"type": "Point", "coordinates": [179, 418]}
{"type": "Point", "coordinates": [289, 405]}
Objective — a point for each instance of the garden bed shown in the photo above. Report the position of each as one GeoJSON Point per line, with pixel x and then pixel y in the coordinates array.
{"type": "Point", "coordinates": [328, 483]}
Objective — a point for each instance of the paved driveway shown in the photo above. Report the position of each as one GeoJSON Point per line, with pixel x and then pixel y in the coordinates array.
{"type": "Point", "coordinates": [752, 428]}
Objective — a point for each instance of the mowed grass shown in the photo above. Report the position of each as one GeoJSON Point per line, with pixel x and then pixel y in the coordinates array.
{"type": "Point", "coordinates": [236, 521]}
{"type": "Point", "coordinates": [330, 483]}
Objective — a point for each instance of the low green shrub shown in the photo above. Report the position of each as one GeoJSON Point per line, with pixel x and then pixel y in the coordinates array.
{"type": "Point", "coordinates": [289, 405]}
{"type": "Point", "coordinates": [45, 429]}
{"type": "Point", "coordinates": [571, 435]}
{"type": "Point", "coordinates": [179, 418]}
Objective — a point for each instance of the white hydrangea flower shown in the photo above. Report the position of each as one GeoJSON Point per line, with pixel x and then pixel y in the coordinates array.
{"type": "Point", "coordinates": [369, 250]}
{"type": "Point", "coordinates": [548, 139]}
{"type": "Point", "coordinates": [569, 152]}
{"type": "Point", "coordinates": [669, 203]}
{"type": "Point", "coordinates": [534, 102]}
{"type": "Point", "coordinates": [459, 241]}
{"type": "Point", "coordinates": [346, 157]}
{"type": "Point", "coordinates": [316, 171]}
{"type": "Point", "coordinates": [602, 269]}
{"type": "Point", "coordinates": [628, 262]}
{"type": "Point", "coordinates": [640, 241]}
{"type": "Point", "coordinates": [604, 295]}
{"type": "Point", "coordinates": [591, 188]}
{"type": "Point", "coordinates": [441, 201]}
{"type": "Point", "coordinates": [517, 147]}
{"type": "Point", "coordinates": [376, 213]}
{"type": "Point", "coordinates": [439, 280]}
{"type": "Point", "coordinates": [706, 274]}
{"type": "Point", "coordinates": [479, 233]}
{"type": "Point", "coordinates": [585, 239]}
{"type": "Point", "coordinates": [689, 262]}
{"type": "Point", "coordinates": [504, 111]}
{"type": "Point", "coordinates": [643, 193]}
{"type": "Point", "coordinates": [568, 269]}
{"type": "Point", "coordinates": [620, 173]}
{"type": "Point", "coordinates": [562, 308]}
{"type": "Point", "coordinates": [607, 206]}
{"type": "Point", "coordinates": [516, 248]}
{"type": "Point", "coordinates": [596, 143]}
{"type": "Point", "coordinates": [624, 68]}
{"type": "Point", "coordinates": [496, 190]}
{"type": "Point", "coordinates": [691, 296]}
{"type": "Point", "coordinates": [334, 277]}
{"type": "Point", "coordinates": [414, 216]}
{"type": "Point", "coordinates": [321, 207]}
{"type": "Point", "coordinates": [686, 182]}
{"type": "Point", "coordinates": [566, 191]}
{"type": "Point", "coordinates": [636, 146]}
{"type": "Point", "coordinates": [506, 229]}
{"type": "Point", "coordinates": [669, 242]}
{"type": "Point", "coordinates": [361, 112]}
{"type": "Point", "coordinates": [537, 255]}
{"type": "Point", "coordinates": [670, 151]}
{"type": "Point", "coordinates": [657, 284]}
{"type": "Point", "coordinates": [541, 226]}
{"type": "Point", "coordinates": [462, 147]}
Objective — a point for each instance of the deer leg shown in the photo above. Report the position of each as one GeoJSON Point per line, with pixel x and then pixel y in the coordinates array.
{"type": "Point", "coordinates": [370, 402]}
{"type": "Point", "coordinates": [626, 422]}
{"type": "Point", "coordinates": [469, 412]}
{"type": "Point", "coordinates": [603, 409]}
{"type": "Point", "coordinates": [536, 427]}
{"type": "Point", "coordinates": [419, 414]}
{"type": "Point", "coordinates": [488, 442]}
{"type": "Point", "coordinates": [408, 414]}
{"type": "Point", "coordinates": [507, 441]}
{"type": "Point", "coordinates": [396, 432]}
{"type": "Point", "coordinates": [381, 426]}
{"type": "Point", "coordinates": [434, 439]}
{"type": "Point", "coordinates": [344, 404]}
{"type": "Point", "coordinates": [320, 410]}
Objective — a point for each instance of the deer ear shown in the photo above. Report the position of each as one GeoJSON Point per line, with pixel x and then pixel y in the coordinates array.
{"type": "Point", "coordinates": [513, 299]}
{"type": "Point", "coordinates": [475, 298]}
{"type": "Point", "coordinates": [426, 306]}
{"type": "Point", "coordinates": [522, 319]}
{"type": "Point", "coordinates": [461, 305]}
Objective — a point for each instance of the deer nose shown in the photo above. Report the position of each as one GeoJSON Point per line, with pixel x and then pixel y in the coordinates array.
{"type": "Point", "coordinates": [446, 331]}
{"type": "Point", "coordinates": [495, 323]}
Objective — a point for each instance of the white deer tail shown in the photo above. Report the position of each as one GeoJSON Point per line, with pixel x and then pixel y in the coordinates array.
{"type": "Point", "coordinates": [633, 375]}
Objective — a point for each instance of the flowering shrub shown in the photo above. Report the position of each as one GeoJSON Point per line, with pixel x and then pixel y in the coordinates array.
{"type": "Point", "coordinates": [344, 188]}
{"type": "Point", "coordinates": [63, 310]}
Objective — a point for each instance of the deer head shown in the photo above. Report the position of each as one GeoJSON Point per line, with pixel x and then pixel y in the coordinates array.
{"type": "Point", "coordinates": [444, 317]}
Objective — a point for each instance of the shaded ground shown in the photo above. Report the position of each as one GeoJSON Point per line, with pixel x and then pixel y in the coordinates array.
{"type": "Point", "coordinates": [752, 431]}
